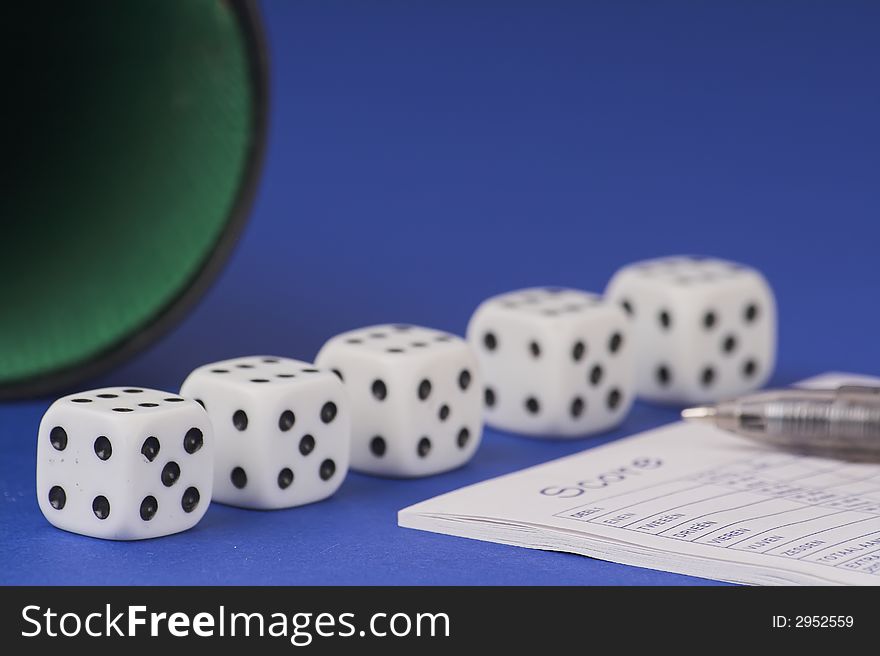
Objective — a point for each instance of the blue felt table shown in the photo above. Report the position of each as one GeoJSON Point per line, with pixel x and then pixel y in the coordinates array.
{"type": "Point", "coordinates": [424, 155]}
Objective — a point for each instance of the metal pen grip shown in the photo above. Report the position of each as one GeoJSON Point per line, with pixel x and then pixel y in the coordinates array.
{"type": "Point", "coordinates": [830, 424]}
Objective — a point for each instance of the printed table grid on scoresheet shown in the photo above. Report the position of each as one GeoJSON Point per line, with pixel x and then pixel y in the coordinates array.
{"type": "Point", "coordinates": [755, 476]}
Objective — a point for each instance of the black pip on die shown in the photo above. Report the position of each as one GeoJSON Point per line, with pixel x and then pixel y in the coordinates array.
{"type": "Point", "coordinates": [282, 429]}
{"type": "Point", "coordinates": [415, 398]}
{"type": "Point", "coordinates": [704, 329]}
{"type": "Point", "coordinates": [124, 463]}
{"type": "Point", "coordinates": [556, 362]}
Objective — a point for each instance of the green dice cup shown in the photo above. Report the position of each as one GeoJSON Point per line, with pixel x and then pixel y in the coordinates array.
{"type": "Point", "coordinates": [136, 131]}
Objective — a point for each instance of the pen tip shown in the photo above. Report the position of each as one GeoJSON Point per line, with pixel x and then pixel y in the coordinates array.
{"type": "Point", "coordinates": [703, 413]}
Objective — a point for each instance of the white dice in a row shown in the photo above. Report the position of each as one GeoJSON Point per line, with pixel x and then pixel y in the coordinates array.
{"type": "Point", "coordinates": [270, 432]}
{"type": "Point", "coordinates": [132, 463]}
{"type": "Point", "coordinates": [258, 432]}
{"type": "Point", "coordinates": [560, 362]}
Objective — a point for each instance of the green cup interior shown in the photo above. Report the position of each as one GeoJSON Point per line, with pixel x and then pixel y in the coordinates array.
{"type": "Point", "coordinates": [130, 128]}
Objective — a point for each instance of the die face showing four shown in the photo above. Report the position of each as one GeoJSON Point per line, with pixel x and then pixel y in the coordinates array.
{"type": "Point", "coordinates": [282, 429]}
{"type": "Point", "coordinates": [124, 463]}
{"type": "Point", "coordinates": [705, 329]}
{"type": "Point", "coordinates": [556, 362]}
{"type": "Point", "coordinates": [415, 395]}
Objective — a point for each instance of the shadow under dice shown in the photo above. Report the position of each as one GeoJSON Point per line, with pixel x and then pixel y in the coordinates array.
{"type": "Point", "coordinates": [124, 463]}
{"type": "Point", "coordinates": [556, 362]}
{"type": "Point", "coordinates": [704, 329]}
{"type": "Point", "coordinates": [282, 428]}
{"type": "Point", "coordinates": [415, 398]}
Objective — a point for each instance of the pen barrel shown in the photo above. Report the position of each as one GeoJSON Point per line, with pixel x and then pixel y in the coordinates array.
{"type": "Point", "coordinates": [833, 425]}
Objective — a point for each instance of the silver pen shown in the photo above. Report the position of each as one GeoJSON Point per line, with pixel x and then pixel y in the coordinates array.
{"type": "Point", "coordinates": [842, 423]}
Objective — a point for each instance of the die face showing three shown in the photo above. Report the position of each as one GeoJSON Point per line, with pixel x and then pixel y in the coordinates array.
{"type": "Point", "coordinates": [282, 429]}
{"type": "Point", "coordinates": [556, 362]}
{"type": "Point", "coordinates": [415, 395]}
{"type": "Point", "coordinates": [124, 463]}
{"type": "Point", "coordinates": [704, 329]}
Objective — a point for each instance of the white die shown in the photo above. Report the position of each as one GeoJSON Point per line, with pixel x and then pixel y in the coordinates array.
{"type": "Point", "coordinates": [282, 428]}
{"type": "Point", "coordinates": [556, 362]}
{"type": "Point", "coordinates": [124, 463]}
{"type": "Point", "coordinates": [415, 396]}
{"type": "Point", "coordinates": [704, 329]}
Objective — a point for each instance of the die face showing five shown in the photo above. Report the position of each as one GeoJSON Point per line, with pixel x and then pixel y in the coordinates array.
{"type": "Point", "coordinates": [415, 396]}
{"type": "Point", "coordinates": [282, 429]}
{"type": "Point", "coordinates": [704, 329]}
{"type": "Point", "coordinates": [556, 362]}
{"type": "Point", "coordinates": [124, 463]}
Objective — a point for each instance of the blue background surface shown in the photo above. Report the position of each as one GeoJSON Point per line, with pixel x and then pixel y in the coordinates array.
{"type": "Point", "coordinates": [424, 155]}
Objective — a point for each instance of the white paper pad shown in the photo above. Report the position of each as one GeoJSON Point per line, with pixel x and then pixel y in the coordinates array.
{"type": "Point", "coordinates": [688, 499]}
